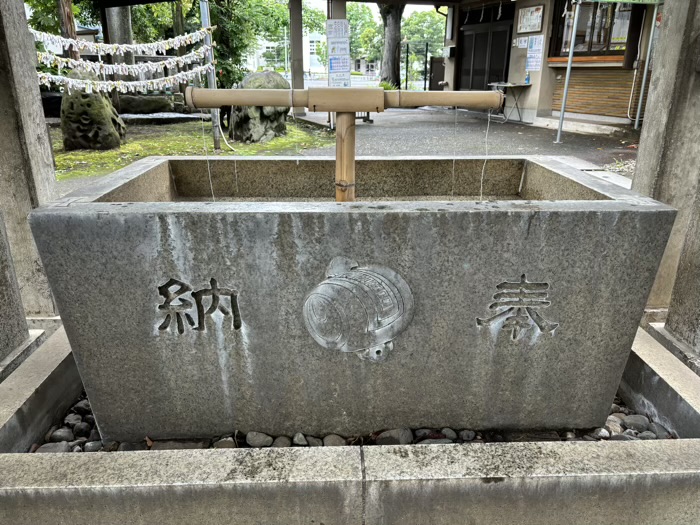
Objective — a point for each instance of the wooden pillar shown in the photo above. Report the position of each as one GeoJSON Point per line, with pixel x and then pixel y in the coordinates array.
{"type": "Point", "coordinates": [345, 157]}
{"type": "Point", "coordinates": [296, 37]}
{"type": "Point", "coordinates": [338, 9]}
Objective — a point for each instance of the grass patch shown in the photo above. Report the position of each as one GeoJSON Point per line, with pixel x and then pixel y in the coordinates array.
{"type": "Point", "coordinates": [175, 139]}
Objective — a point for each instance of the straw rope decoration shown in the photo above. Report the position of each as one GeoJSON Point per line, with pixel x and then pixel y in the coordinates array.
{"type": "Point", "coordinates": [101, 69]}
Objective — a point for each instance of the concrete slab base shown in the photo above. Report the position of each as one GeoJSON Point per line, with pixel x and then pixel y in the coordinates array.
{"type": "Point", "coordinates": [38, 392]}
{"type": "Point", "coordinates": [577, 126]}
{"type": "Point", "coordinates": [544, 483]}
{"type": "Point", "coordinates": [686, 353]}
{"type": "Point", "coordinates": [658, 384]}
{"type": "Point", "coordinates": [498, 483]}
{"type": "Point", "coordinates": [22, 352]}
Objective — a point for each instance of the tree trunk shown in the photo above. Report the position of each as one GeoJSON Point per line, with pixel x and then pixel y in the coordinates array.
{"type": "Point", "coordinates": [67, 22]}
{"type": "Point", "coordinates": [179, 29]}
{"type": "Point", "coordinates": [391, 56]}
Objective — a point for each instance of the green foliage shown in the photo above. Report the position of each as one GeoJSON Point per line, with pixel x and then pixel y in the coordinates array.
{"type": "Point", "coordinates": [365, 32]}
{"type": "Point", "coordinates": [387, 86]}
{"type": "Point", "coordinates": [45, 14]}
{"type": "Point", "coordinates": [241, 22]}
{"type": "Point", "coordinates": [424, 26]}
{"type": "Point", "coordinates": [322, 54]}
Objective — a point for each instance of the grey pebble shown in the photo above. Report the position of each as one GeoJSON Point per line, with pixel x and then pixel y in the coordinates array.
{"type": "Point", "coordinates": [449, 433]}
{"type": "Point", "coordinates": [622, 437]}
{"type": "Point", "coordinates": [299, 440]}
{"type": "Point", "coordinates": [63, 446]}
{"type": "Point", "coordinates": [89, 419]}
{"type": "Point", "coordinates": [94, 435]}
{"type": "Point", "coordinates": [314, 441]}
{"type": "Point", "coordinates": [226, 442]}
{"type": "Point", "coordinates": [631, 432]}
{"type": "Point", "coordinates": [281, 442]}
{"type": "Point", "coordinates": [82, 407]}
{"type": "Point", "coordinates": [467, 435]}
{"type": "Point", "coordinates": [258, 439]}
{"type": "Point", "coordinates": [76, 449]}
{"type": "Point", "coordinates": [334, 440]}
{"type": "Point", "coordinates": [132, 447]}
{"type": "Point", "coordinates": [614, 425]}
{"type": "Point", "coordinates": [110, 446]}
{"type": "Point", "coordinates": [647, 434]}
{"type": "Point", "coordinates": [423, 433]}
{"type": "Point", "coordinates": [569, 436]}
{"type": "Point", "coordinates": [637, 422]}
{"type": "Point", "coordinates": [433, 441]}
{"type": "Point", "coordinates": [92, 446]}
{"type": "Point", "coordinates": [600, 433]}
{"type": "Point", "coordinates": [179, 445]}
{"type": "Point", "coordinates": [78, 442]}
{"type": "Point", "coordinates": [397, 436]}
{"type": "Point", "coordinates": [660, 431]}
{"type": "Point", "coordinates": [82, 430]}
{"type": "Point", "coordinates": [72, 419]}
{"type": "Point", "coordinates": [47, 436]}
{"type": "Point", "coordinates": [62, 434]}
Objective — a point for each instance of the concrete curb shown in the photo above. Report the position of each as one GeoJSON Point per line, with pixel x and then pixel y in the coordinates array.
{"type": "Point", "coordinates": [21, 353]}
{"type": "Point", "coordinates": [657, 383]}
{"type": "Point", "coordinates": [37, 393]}
{"type": "Point", "coordinates": [498, 483]}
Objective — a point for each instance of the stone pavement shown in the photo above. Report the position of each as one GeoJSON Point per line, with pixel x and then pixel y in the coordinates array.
{"type": "Point", "coordinates": [432, 131]}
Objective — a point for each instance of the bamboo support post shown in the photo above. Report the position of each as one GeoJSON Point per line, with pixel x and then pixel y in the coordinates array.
{"type": "Point", "coordinates": [345, 157]}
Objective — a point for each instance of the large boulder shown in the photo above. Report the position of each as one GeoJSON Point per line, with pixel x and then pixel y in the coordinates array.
{"type": "Point", "coordinates": [259, 123]}
{"type": "Point", "coordinates": [89, 121]}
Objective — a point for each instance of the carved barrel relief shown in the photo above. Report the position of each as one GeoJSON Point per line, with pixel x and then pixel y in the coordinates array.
{"type": "Point", "coordinates": [359, 309]}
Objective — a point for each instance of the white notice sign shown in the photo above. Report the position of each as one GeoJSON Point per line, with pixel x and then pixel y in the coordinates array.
{"type": "Point", "coordinates": [339, 79]}
{"type": "Point", "coordinates": [338, 40]}
{"type": "Point", "coordinates": [338, 28]}
{"type": "Point", "coordinates": [338, 46]}
{"type": "Point", "coordinates": [339, 64]}
{"type": "Point", "coordinates": [535, 45]}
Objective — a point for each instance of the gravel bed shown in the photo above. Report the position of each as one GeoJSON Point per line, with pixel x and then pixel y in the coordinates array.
{"type": "Point", "coordinates": [77, 433]}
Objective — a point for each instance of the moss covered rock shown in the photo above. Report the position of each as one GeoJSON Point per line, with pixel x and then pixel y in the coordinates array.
{"type": "Point", "coordinates": [259, 123]}
{"type": "Point", "coordinates": [89, 121]}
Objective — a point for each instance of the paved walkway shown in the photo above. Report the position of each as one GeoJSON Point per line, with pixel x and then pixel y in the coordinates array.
{"type": "Point", "coordinates": [441, 132]}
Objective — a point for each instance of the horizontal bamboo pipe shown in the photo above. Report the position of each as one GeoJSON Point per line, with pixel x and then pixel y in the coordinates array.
{"type": "Point", "coordinates": [342, 100]}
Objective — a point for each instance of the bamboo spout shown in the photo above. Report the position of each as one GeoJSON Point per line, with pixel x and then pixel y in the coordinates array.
{"type": "Point", "coordinates": [341, 100]}
{"type": "Point", "coordinates": [345, 102]}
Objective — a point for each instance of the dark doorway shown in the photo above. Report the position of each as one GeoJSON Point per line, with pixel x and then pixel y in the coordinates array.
{"type": "Point", "coordinates": [437, 73]}
{"type": "Point", "coordinates": [484, 48]}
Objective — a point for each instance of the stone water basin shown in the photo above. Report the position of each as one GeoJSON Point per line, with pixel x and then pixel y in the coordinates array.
{"type": "Point", "coordinates": [439, 298]}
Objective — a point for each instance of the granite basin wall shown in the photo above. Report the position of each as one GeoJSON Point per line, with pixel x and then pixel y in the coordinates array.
{"type": "Point", "coordinates": [194, 318]}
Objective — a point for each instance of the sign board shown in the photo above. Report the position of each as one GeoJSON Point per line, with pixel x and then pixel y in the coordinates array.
{"type": "Point", "coordinates": [530, 19]}
{"type": "Point", "coordinates": [338, 39]}
{"type": "Point", "coordinates": [338, 47]}
{"type": "Point", "coordinates": [339, 79]}
{"type": "Point", "coordinates": [535, 47]}
{"type": "Point", "coordinates": [337, 28]}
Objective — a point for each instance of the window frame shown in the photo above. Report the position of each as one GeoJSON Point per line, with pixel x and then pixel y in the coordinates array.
{"type": "Point", "coordinates": [559, 25]}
